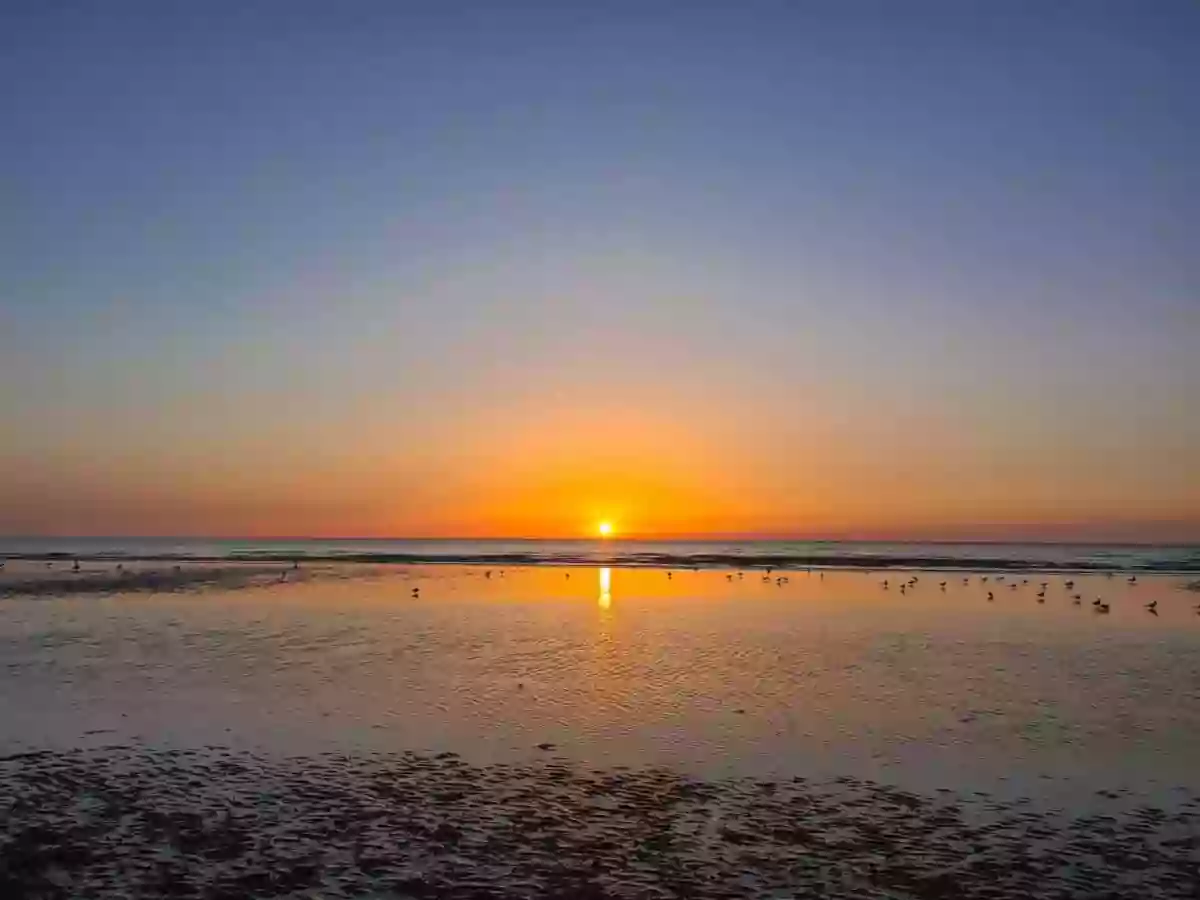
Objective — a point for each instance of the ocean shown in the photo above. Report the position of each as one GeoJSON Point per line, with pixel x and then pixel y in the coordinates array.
{"type": "Point", "coordinates": [618, 552]}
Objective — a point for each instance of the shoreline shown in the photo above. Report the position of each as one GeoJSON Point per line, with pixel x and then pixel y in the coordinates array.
{"type": "Point", "coordinates": [720, 562]}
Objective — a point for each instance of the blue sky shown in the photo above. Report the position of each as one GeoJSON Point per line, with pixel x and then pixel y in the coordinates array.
{"type": "Point", "coordinates": [953, 243]}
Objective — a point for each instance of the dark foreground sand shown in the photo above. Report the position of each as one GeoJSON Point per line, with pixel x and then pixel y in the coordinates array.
{"type": "Point", "coordinates": [219, 824]}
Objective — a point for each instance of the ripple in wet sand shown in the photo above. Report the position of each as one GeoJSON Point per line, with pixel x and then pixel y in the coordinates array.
{"type": "Point", "coordinates": [220, 824]}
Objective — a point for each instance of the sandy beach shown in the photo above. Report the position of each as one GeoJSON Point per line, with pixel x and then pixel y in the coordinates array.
{"type": "Point", "coordinates": [457, 731]}
{"type": "Point", "coordinates": [216, 824]}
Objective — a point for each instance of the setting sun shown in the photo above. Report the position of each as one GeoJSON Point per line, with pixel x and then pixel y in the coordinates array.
{"type": "Point", "coordinates": [605, 529]}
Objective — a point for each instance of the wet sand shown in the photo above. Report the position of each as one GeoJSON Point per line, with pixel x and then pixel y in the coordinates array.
{"type": "Point", "coordinates": [216, 824]}
{"type": "Point", "coordinates": [546, 732]}
{"type": "Point", "coordinates": [60, 578]}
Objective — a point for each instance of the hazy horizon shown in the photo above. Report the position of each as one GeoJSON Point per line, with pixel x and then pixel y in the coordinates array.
{"type": "Point", "coordinates": [908, 271]}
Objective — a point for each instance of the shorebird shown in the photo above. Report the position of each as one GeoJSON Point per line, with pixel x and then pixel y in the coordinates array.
{"type": "Point", "coordinates": [1152, 606]}
{"type": "Point", "coordinates": [991, 596]}
{"type": "Point", "coordinates": [1041, 596]}
{"type": "Point", "coordinates": [75, 567]}
{"type": "Point", "coordinates": [1012, 587]}
{"type": "Point", "coordinates": [983, 579]}
{"type": "Point", "coordinates": [1068, 585]}
{"type": "Point", "coordinates": [1024, 581]}
{"type": "Point", "coordinates": [1103, 607]}
{"type": "Point", "coordinates": [487, 574]}
{"type": "Point", "coordinates": [568, 576]}
{"type": "Point", "coordinates": [669, 575]}
{"type": "Point", "coordinates": [1075, 596]}
{"type": "Point", "coordinates": [1133, 579]}
{"type": "Point", "coordinates": [740, 574]}
{"type": "Point", "coordinates": [1076, 602]}
{"type": "Point", "coordinates": [283, 575]}
{"type": "Point", "coordinates": [729, 578]}
{"type": "Point", "coordinates": [885, 584]}
{"type": "Point", "coordinates": [942, 585]}
{"type": "Point", "coordinates": [416, 592]}
{"type": "Point", "coordinates": [966, 581]}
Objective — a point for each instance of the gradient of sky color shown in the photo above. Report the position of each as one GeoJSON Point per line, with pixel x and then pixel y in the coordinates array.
{"type": "Point", "coordinates": [881, 269]}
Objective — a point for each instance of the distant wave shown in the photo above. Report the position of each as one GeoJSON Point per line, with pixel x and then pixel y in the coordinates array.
{"type": "Point", "coordinates": [724, 555]}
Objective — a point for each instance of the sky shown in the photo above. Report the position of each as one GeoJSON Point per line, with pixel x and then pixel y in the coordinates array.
{"type": "Point", "coordinates": [844, 269]}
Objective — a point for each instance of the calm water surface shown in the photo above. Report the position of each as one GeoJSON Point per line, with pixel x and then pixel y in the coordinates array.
{"type": "Point", "coordinates": [702, 671]}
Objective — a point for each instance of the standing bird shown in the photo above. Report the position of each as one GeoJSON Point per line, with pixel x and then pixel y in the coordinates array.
{"type": "Point", "coordinates": [487, 574]}
{"type": "Point", "coordinates": [1133, 579]}
{"type": "Point", "coordinates": [1152, 606]}
{"type": "Point", "coordinates": [991, 596]}
{"type": "Point", "coordinates": [1069, 585]}
{"type": "Point", "coordinates": [942, 585]}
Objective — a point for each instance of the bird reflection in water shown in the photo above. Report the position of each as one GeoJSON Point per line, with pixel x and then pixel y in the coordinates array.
{"type": "Point", "coordinates": [605, 600]}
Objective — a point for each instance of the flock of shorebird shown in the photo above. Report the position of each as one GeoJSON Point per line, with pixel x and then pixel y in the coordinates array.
{"type": "Point", "coordinates": [1100, 606]}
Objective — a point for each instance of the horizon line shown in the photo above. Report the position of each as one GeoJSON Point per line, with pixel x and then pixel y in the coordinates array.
{"type": "Point", "coordinates": [639, 538]}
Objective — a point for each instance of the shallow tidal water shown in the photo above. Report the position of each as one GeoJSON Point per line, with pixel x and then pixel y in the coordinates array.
{"type": "Point", "coordinates": [708, 673]}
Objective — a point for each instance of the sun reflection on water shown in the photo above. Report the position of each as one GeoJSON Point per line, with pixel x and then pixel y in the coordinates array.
{"type": "Point", "coordinates": [605, 588]}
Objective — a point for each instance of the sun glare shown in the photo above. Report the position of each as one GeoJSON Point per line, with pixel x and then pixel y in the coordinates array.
{"type": "Point", "coordinates": [605, 529]}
